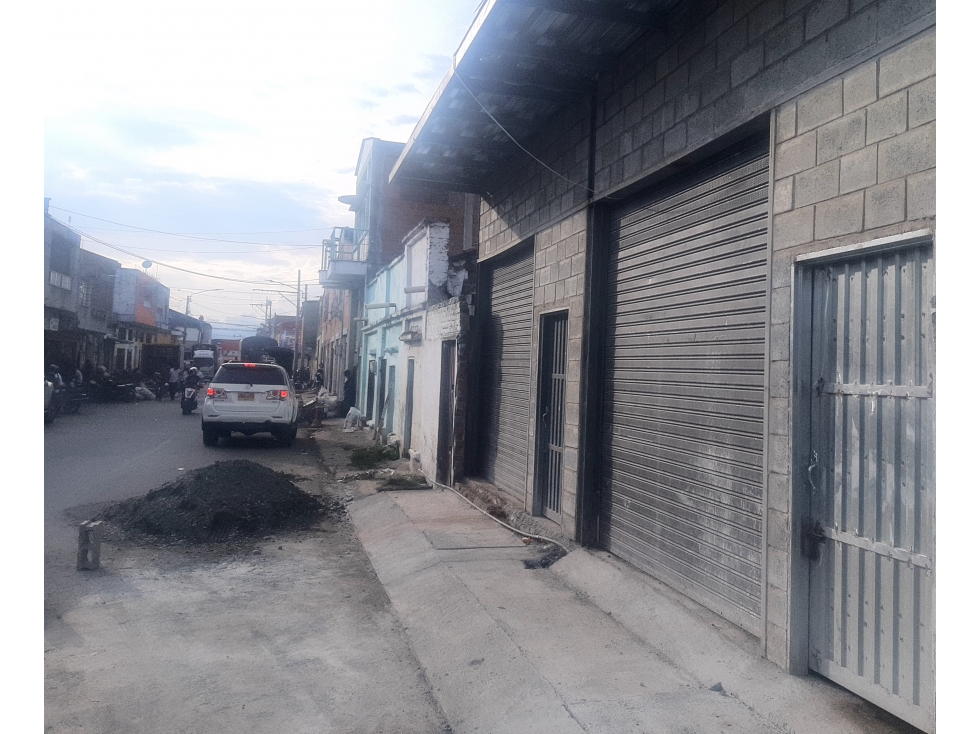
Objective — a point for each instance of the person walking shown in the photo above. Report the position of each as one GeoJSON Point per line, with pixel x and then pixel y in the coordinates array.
{"type": "Point", "coordinates": [173, 381]}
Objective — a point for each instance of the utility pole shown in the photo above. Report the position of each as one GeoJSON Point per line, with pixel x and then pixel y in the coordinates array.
{"type": "Point", "coordinates": [299, 280]}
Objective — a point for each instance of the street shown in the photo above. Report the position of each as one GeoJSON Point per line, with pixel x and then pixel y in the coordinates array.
{"type": "Point", "coordinates": [298, 636]}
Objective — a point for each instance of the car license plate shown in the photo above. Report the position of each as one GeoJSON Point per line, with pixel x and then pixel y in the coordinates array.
{"type": "Point", "coordinates": [246, 396]}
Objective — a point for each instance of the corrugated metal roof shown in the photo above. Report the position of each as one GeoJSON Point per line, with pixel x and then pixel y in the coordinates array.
{"type": "Point", "coordinates": [520, 62]}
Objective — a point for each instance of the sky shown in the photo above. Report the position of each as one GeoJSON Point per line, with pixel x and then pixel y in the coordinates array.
{"type": "Point", "coordinates": [235, 124]}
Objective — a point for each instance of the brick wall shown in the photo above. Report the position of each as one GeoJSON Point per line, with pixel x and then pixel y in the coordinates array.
{"type": "Point", "coordinates": [854, 160]}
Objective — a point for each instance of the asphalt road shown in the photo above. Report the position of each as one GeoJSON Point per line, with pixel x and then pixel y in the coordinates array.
{"type": "Point", "coordinates": [297, 635]}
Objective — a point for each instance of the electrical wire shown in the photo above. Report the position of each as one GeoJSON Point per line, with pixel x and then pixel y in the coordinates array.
{"type": "Point", "coordinates": [516, 142]}
{"type": "Point", "coordinates": [172, 267]}
{"type": "Point", "coordinates": [190, 236]}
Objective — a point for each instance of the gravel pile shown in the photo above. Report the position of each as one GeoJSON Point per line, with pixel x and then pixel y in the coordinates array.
{"type": "Point", "coordinates": [227, 501]}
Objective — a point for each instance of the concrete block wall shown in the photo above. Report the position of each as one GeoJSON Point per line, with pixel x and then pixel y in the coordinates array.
{"type": "Point", "coordinates": [854, 160]}
{"type": "Point", "coordinates": [559, 279]}
{"type": "Point", "coordinates": [717, 65]}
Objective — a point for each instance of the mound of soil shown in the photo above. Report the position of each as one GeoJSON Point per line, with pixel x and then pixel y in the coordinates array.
{"type": "Point", "coordinates": [404, 481]}
{"type": "Point", "coordinates": [226, 501]}
{"type": "Point", "coordinates": [367, 457]}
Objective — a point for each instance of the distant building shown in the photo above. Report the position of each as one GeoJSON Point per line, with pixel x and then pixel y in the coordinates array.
{"type": "Point", "coordinates": [188, 331]}
{"type": "Point", "coordinates": [96, 284]}
{"type": "Point", "coordinates": [62, 253]}
{"type": "Point", "coordinates": [140, 308]}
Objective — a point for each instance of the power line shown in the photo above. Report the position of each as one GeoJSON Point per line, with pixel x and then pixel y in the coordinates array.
{"type": "Point", "coordinates": [189, 236]}
{"type": "Point", "coordinates": [172, 267]}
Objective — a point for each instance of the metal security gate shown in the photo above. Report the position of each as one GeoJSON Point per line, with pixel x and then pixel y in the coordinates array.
{"type": "Point", "coordinates": [506, 372]}
{"type": "Point", "coordinates": [683, 385]}
{"type": "Point", "coordinates": [871, 537]}
{"type": "Point", "coordinates": [550, 415]}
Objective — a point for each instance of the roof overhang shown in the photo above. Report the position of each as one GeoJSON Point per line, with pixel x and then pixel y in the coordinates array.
{"type": "Point", "coordinates": [520, 62]}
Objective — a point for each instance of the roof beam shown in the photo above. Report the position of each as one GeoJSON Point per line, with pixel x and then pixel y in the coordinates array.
{"type": "Point", "coordinates": [597, 10]}
{"type": "Point", "coordinates": [466, 143]}
{"type": "Point", "coordinates": [548, 54]}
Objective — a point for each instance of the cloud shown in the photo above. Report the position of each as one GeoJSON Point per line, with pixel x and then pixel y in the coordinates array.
{"type": "Point", "coordinates": [405, 88]}
{"type": "Point", "coordinates": [403, 120]}
{"type": "Point", "coordinates": [366, 104]}
{"type": "Point", "coordinates": [346, 171]}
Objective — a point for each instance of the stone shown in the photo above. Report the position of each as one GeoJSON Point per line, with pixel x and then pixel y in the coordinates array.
{"type": "Point", "coordinates": [884, 204]}
{"type": "Point", "coordinates": [793, 228]}
{"type": "Point", "coordinates": [818, 184]}
{"type": "Point", "coordinates": [921, 103]}
{"type": "Point", "coordinates": [921, 195]}
{"type": "Point", "coordinates": [795, 155]}
{"type": "Point", "coordinates": [782, 195]}
{"type": "Point", "coordinates": [909, 64]}
{"type": "Point", "coordinates": [909, 153]}
{"type": "Point", "coordinates": [858, 170]}
{"type": "Point", "coordinates": [821, 105]}
{"type": "Point", "coordinates": [860, 87]}
{"type": "Point", "coordinates": [842, 136]}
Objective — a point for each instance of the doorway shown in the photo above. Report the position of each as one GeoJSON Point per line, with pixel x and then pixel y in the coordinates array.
{"type": "Point", "coordinates": [447, 402]}
{"type": "Point", "coordinates": [550, 415]}
{"type": "Point", "coordinates": [409, 403]}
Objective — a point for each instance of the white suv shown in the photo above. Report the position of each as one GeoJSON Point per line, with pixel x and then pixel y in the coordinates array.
{"type": "Point", "coordinates": [250, 398]}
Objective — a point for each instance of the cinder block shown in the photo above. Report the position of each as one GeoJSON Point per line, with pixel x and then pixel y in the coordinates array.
{"type": "Point", "coordinates": [778, 379]}
{"type": "Point", "coordinates": [784, 39]}
{"type": "Point", "coordinates": [778, 566]}
{"type": "Point", "coordinates": [842, 136]}
{"type": "Point", "coordinates": [733, 41]}
{"type": "Point", "coordinates": [578, 264]}
{"type": "Point", "coordinates": [906, 154]}
{"type": "Point", "coordinates": [821, 105]}
{"type": "Point", "coordinates": [779, 530]}
{"type": "Point", "coordinates": [778, 603]}
{"type": "Point", "coordinates": [778, 491]}
{"type": "Point", "coordinates": [885, 204]}
{"type": "Point", "coordinates": [782, 195]}
{"type": "Point", "coordinates": [701, 125]}
{"type": "Point", "coordinates": [687, 103]}
{"type": "Point", "coordinates": [817, 184]}
{"type": "Point", "coordinates": [858, 170]}
{"type": "Point", "coordinates": [667, 62]}
{"type": "Point", "coordinates": [780, 312]}
{"type": "Point", "coordinates": [781, 269]}
{"type": "Point", "coordinates": [793, 228]}
{"type": "Point", "coordinates": [795, 155]}
{"type": "Point", "coordinates": [718, 22]}
{"type": "Point", "coordinates": [777, 644]}
{"type": "Point", "coordinates": [921, 103]}
{"type": "Point", "coordinates": [785, 122]}
{"type": "Point", "coordinates": [675, 139]}
{"type": "Point", "coordinates": [909, 64]}
{"type": "Point", "coordinates": [921, 195]}
{"type": "Point", "coordinates": [89, 545]}
{"type": "Point", "coordinates": [747, 64]}
{"type": "Point", "coordinates": [778, 348]}
{"type": "Point", "coordinates": [888, 117]}
{"type": "Point", "coordinates": [778, 416]}
{"type": "Point", "coordinates": [860, 87]}
{"type": "Point", "coordinates": [823, 15]}
{"type": "Point", "coordinates": [763, 18]}
{"type": "Point", "coordinates": [839, 216]}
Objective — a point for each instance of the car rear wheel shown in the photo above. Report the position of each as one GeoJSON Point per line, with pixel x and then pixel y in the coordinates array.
{"type": "Point", "coordinates": [210, 436]}
{"type": "Point", "coordinates": [284, 439]}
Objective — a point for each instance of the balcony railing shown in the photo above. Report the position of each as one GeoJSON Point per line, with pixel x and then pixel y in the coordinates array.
{"type": "Point", "coordinates": [344, 258]}
{"type": "Point", "coordinates": [346, 243]}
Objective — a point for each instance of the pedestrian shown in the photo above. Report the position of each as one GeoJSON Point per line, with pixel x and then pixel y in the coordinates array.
{"type": "Point", "coordinates": [319, 376]}
{"type": "Point", "coordinates": [173, 381]}
{"type": "Point", "coordinates": [349, 390]}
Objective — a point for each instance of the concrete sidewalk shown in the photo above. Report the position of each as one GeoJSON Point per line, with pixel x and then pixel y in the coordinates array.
{"type": "Point", "coordinates": [588, 645]}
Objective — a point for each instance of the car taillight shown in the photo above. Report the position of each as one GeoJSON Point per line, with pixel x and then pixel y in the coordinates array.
{"type": "Point", "coordinates": [277, 395]}
{"type": "Point", "coordinates": [217, 393]}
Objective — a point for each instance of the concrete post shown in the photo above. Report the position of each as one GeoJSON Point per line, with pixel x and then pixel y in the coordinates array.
{"type": "Point", "coordinates": [89, 545]}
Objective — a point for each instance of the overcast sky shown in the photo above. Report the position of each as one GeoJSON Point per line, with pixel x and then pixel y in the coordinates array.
{"type": "Point", "coordinates": [229, 120]}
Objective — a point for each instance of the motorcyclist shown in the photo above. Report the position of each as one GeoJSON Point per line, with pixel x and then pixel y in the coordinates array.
{"type": "Point", "coordinates": [55, 376]}
{"type": "Point", "coordinates": [193, 378]}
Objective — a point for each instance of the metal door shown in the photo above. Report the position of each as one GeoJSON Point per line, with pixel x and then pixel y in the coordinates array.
{"type": "Point", "coordinates": [447, 406]}
{"type": "Point", "coordinates": [684, 384]}
{"type": "Point", "coordinates": [871, 536]}
{"type": "Point", "coordinates": [409, 403]}
{"type": "Point", "coordinates": [550, 414]}
{"type": "Point", "coordinates": [507, 329]}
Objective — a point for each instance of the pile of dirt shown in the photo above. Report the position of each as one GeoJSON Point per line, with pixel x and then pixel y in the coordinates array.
{"type": "Point", "coordinates": [368, 457]}
{"type": "Point", "coordinates": [404, 481]}
{"type": "Point", "coordinates": [226, 501]}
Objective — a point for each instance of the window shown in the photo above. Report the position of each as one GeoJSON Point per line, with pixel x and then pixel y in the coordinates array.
{"type": "Point", "coordinates": [84, 294]}
{"type": "Point", "coordinates": [60, 280]}
{"type": "Point", "coordinates": [260, 374]}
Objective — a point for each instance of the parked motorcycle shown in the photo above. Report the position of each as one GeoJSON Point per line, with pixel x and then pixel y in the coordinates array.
{"type": "Point", "coordinates": [188, 403]}
{"type": "Point", "coordinates": [69, 398]}
{"type": "Point", "coordinates": [111, 390]}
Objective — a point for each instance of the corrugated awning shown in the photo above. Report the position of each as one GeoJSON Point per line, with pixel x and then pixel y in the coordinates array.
{"type": "Point", "coordinates": [520, 62]}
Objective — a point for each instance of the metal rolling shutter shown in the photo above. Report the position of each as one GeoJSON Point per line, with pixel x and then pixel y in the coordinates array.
{"type": "Point", "coordinates": [506, 373]}
{"type": "Point", "coordinates": [684, 375]}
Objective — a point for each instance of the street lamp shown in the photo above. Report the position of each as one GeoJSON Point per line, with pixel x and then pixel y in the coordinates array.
{"type": "Point", "coordinates": [187, 313]}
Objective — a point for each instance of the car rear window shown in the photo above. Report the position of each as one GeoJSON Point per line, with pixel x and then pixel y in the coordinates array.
{"type": "Point", "coordinates": [239, 374]}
